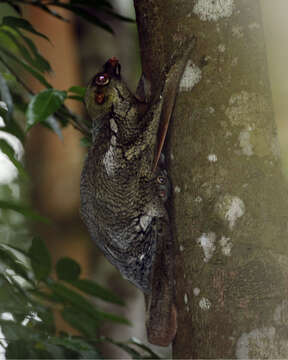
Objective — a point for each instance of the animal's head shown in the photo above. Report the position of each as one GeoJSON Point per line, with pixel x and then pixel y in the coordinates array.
{"type": "Point", "coordinates": [102, 93]}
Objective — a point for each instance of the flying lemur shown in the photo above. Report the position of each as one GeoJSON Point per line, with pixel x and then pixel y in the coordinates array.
{"type": "Point", "coordinates": [124, 187]}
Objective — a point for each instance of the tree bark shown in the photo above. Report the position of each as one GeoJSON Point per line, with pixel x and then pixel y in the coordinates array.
{"type": "Point", "coordinates": [230, 212]}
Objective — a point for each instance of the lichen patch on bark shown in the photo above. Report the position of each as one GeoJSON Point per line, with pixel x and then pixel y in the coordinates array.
{"type": "Point", "coordinates": [213, 10]}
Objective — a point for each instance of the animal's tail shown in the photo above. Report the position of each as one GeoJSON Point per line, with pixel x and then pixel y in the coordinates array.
{"type": "Point", "coordinates": [161, 322]}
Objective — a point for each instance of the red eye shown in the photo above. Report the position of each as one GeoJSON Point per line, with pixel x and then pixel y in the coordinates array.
{"type": "Point", "coordinates": [101, 79]}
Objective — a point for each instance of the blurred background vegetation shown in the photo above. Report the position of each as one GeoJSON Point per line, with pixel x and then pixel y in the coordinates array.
{"type": "Point", "coordinates": [50, 186]}
{"type": "Point", "coordinates": [42, 315]}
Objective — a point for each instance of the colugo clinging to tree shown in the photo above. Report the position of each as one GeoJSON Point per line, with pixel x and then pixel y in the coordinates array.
{"type": "Point", "coordinates": [124, 187]}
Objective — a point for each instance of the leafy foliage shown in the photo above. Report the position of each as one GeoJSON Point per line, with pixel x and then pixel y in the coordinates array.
{"type": "Point", "coordinates": [29, 294]}
{"type": "Point", "coordinates": [18, 54]}
{"type": "Point", "coordinates": [27, 310]}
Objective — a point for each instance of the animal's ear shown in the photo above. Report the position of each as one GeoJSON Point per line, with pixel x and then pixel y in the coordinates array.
{"type": "Point", "coordinates": [112, 67]}
{"type": "Point", "coordinates": [169, 95]}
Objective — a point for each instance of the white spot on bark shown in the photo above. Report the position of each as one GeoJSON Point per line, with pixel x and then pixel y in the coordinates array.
{"type": "Point", "coordinates": [181, 248]}
{"type": "Point", "coordinates": [234, 62]}
{"type": "Point", "coordinates": [280, 316]}
{"type": "Point", "coordinates": [204, 304]}
{"type": "Point", "coordinates": [191, 76]}
{"type": "Point", "coordinates": [275, 148]}
{"type": "Point", "coordinates": [196, 291]}
{"type": "Point", "coordinates": [226, 245]}
{"type": "Point", "coordinates": [211, 110]}
{"type": "Point", "coordinates": [207, 242]}
{"type": "Point", "coordinates": [254, 26]}
{"type": "Point", "coordinates": [221, 48]}
{"type": "Point", "coordinates": [246, 109]}
{"type": "Point", "coordinates": [198, 199]}
{"type": "Point", "coordinates": [212, 157]}
{"type": "Point", "coordinates": [185, 299]}
{"type": "Point", "coordinates": [236, 210]}
{"type": "Point", "coordinates": [212, 10]}
{"type": "Point", "coordinates": [245, 144]}
{"type": "Point", "coordinates": [237, 31]}
{"type": "Point", "coordinates": [177, 189]}
{"type": "Point", "coordinates": [230, 208]}
{"type": "Point", "coordinates": [261, 344]}
{"type": "Point", "coordinates": [172, 156]}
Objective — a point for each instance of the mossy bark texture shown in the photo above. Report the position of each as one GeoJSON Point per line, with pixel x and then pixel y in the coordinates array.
{"type": "Point", "coordinates": [230, 212]}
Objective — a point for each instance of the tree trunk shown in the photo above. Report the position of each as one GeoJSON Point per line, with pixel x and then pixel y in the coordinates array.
{"type": "Point", "coordinates": [230, 212]}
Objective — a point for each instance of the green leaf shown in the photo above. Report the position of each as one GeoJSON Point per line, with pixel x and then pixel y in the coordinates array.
{"type": "Point", "coordinates": [18, 349]}
{"type": "Point", "coordinates": [3, 109]}
{"type": "Point", "coordinates": [24, 210]}
{"type": "Point", "coordinates": [43, 105]}
{"type": "Point", "coordinates": [81, 321]}
{"type": "Point", "coordinates": [13, 263]}
{"type": "Point", "coordinates": [46, 297]}
{"type": "Point", "coordinates": [13, 128]}
{"type": "Point", "coordinates": [15, 248]}
{"type": "Point", "coordinates": [5, 94]}
{"type": "Point", "coordinates": [26, 343]}
{"type": "Point", "coordinates": [26, 66]}
{"type": "Point", "coordinates": [22, 24]}
{"type": "Point", "coordinates": [31, 53]}
{"type": "Point", "coordinates": [138, 343]}
{"type": "Point", "coordinates": [81, 304]}
{"type": "Point", "coordinates": [99, 4]}
{"type": "Point", "coordinates": [54, 351]}
{"type": "Point", "coordinates": [79, 90]}
{"type": "Point", "coordinates": [75, 97]}
{"type": "Point", "coordinates": [50, 11]}
{"type": "Point", "coordinates": [14, 6]}
{"type": "Point", "coordinates": [75, 344]}
{"type": "Point", "coordinates": [120, 17]}
{"type": "Point", "coordinates": [40, 259]}
{"type": "Point", "coordinates": [67, 269]}
{"type": "Point", "coordinates": [9, 151]}
{"type": "Point", "coordinates": [14, 331]}
{"type": "Point", "coordinates": [12, 299]}
{"type": "Point", "coordinates": [39, 61]}
{"type": "Point", "coordinates": [124, 346]}
{"type": "Point", "coordinates": [91, 288]}
{"type": "Point", "coordinates": [15, 38]}
{"type": "Point", "coordinates": [53, 125]}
